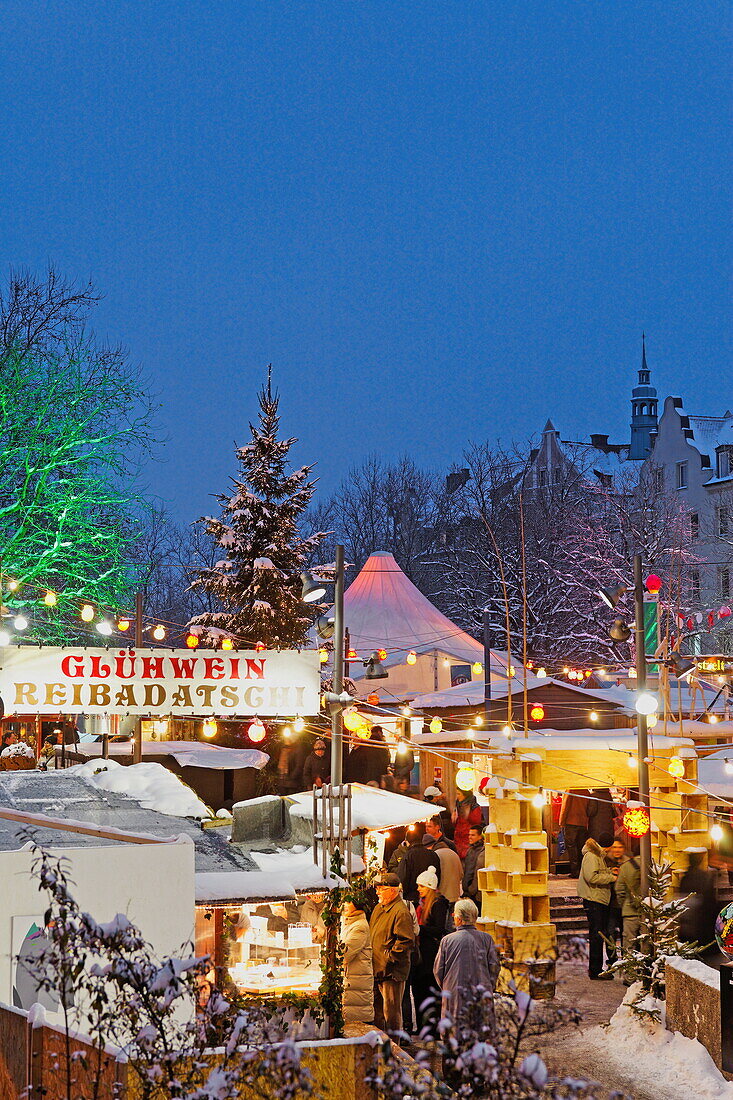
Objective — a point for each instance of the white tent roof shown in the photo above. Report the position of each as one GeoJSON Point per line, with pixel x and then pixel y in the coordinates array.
{"type": "Point", "coordinates": [384, 610]}
{"type": "Point", "coordinates": [472, 694]}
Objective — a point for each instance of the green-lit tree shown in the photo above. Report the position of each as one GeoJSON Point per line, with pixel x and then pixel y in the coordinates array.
{"type": "Point", "coordinates": [257, 581]}
{"type": "Point", "coordinates": [74, 419]}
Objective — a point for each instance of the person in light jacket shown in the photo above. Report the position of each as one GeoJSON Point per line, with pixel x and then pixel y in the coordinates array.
{"type": "Point", "coordinates": [466, 958]}
{"type": "Point", "coordinates": [358, 999]}
{"type": "Point", "coordinates": [594, 887]}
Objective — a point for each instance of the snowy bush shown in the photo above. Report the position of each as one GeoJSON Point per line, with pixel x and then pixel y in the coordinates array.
{"type": "Point", "coordinates": [482, 1056]}
{"type": "Point", "coordinates": [181, 1037]}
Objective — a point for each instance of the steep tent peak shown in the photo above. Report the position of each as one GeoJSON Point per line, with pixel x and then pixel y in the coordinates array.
{"type": "Point", "coordinates": [383, 609]}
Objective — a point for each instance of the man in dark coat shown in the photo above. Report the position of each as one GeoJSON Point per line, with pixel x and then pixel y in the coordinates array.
{"type": "Point", "coordinates": [601, 814]}
{"type": "Point", "coordinates": [417, 859]}
{"type": "Point", "coordinates": [317, 767]}
{"type": "Point", "coordinates": [574, 822]}
{"type": "Point", "coordinates": [369, 761]}
{"type": "Point", "coordinates": [475, 858]}
{"type": "Point", "coordinates": [393, 937]}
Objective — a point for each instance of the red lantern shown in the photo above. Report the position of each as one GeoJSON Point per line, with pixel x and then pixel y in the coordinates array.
{"type": "Point", "coordinates": [653, 584]}
{"type": "Point", "coordinates": [382, 654]}
{"type": "Point", "coordinates": [259, 646]}
{"type": "Point", "coordinates": [351, 655]}
{"type": "Point", "coordinates": [537, 713]}
{"type": "Point", "coordinates": [192, 641]}
{"type": "Point", "coordinates": [373, 699]}
{"type": "Point", "coordinates": [636, 821]}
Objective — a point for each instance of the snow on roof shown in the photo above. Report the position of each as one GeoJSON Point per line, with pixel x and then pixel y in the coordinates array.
{"type": "Point", "coordinates": [473, 694]}
{"type": "Point", "coordinates": [372, 808]}
{"type": "Point", "coordinates": [384, 610]}
{"type": "Point", "coordinates": [563, 740]}
{"type": "Point", "coordinates": [711, 773]}
{"type": "Point", "coordinates": [189, 754]}
{"type": "Point", "coordinates": [152, 785]}
{"type": "Point", "coordinates": [711, 431]}
{"type": "Point", "coordinates": [282, 874]}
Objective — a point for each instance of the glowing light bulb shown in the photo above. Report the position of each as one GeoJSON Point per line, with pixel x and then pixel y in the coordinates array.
{"type": "Point", "coordinates": [227, 644]}
{"type": "Point", "coordinates": [632, 762]}
{"type": "Point", "coordinates": [712, 718]}
{"type": "Point", "coordinates": [299, 724]}
{"type": "Point", "coordinates": [323, 654]}
{"type": "Point", "coordinates": [13, 586]}
{"type": "Point", "coordinates": [716, 832]}
{"type": "Point", "coordinates": [507, 731]}
{"type": "Point", "coordinates": [4, 637]}
{"type": "Point", "coordinates": [646, 703]}
{"type": "Point", "coordinates": [541, 673]}
{"type": "Point", "coordinates": [411, 657]}
{"type": "Point", "coordinates": [436, 725]}
{"type": "Point", "coordinates": [287, 733]}
{"type": "Point", "coordinates": [50, 599]}
{"type": "Point", "coordinates": [20, 622]}
{"type": "Point", "coordinates": [104, 627]}
{"type": "Point", "coordinates": [593, 716]}
{"type": "Point", "coordinates": [209, 727]}
{"type": "Point", "coordinates": [193, 641]}
{"type": "Point", "coordinates": [538, 801]}
{"type": "Point", "coordinates": [159, 632]}
{"type": "Point", "coordinates": [477, 668]}
{"type": "Point", "coordinates": [478, 721]}
{"type": "Point", "coordinates": [87, 613]}
{"type": "Point", "coordinates": [123, 625]}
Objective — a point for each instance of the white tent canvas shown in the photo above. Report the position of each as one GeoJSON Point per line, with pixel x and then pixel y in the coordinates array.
{"type": "Point", "coordinates": [384, 610]}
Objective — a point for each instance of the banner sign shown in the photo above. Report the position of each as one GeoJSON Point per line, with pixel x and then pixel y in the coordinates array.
{"type": "Point", "coordinates": [159, 682]}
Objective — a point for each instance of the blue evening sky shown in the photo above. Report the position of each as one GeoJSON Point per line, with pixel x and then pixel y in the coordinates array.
{"type": "Point", "coordinates": [439, 221]}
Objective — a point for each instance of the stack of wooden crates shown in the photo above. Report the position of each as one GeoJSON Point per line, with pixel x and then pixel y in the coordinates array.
{"type": "Point", "coordinates": [515, 904]}
{"type": "Point", "coordinates": [679, 819]}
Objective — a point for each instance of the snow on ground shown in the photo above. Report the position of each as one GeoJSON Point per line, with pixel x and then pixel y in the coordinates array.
{"type": "Point", "coordinates": [660, 1063]}
{"type": "Point", "coordinates": [152, 785]}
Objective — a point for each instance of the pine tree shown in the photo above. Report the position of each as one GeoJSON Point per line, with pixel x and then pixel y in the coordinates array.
{"type": "Point", "coordinates": [257, 582]}
{"type": "Point", "coordinates": [657, 939]}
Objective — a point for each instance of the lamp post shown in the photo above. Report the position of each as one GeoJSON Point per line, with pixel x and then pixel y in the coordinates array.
{"type": "Point", "coordinates": [337, 727]}
{"type": "Point", "coordinates": [645, 843]}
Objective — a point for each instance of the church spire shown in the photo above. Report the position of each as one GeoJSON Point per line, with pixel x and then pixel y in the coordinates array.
{"type": "Point", "coordinates": [643, 411]}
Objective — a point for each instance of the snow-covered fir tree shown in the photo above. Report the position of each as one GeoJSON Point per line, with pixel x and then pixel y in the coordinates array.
{"type": "Point", "coordinates": [256, 583]}
{"type": "Point", "coordinates": [658, 938]}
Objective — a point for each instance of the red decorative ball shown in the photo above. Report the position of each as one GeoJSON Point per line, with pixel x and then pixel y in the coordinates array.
{"type": "Point", "coordinates": [636, 821]}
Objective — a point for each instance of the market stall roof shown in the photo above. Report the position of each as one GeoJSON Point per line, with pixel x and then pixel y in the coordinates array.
{"type": "Point", "coordinates": [711, 773]}
{"type": "Point", "coordinates": [548, 739]}
{"type": "Point", "coordinates": [61, 794]}
{"type": "Point", "coordinates": [372, 808]}
{"type": "Point", "coordinates": [281, 875]}
{"type": "Point", "coordinates": [463, 695]}
{"type": "Point", "coordinates": [189, 754]}
{"type": "Point", "coordinates": [384, 610]}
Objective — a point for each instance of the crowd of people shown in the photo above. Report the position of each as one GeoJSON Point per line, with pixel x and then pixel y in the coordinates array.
{"type": "Point", "coordinates": [408, 957]}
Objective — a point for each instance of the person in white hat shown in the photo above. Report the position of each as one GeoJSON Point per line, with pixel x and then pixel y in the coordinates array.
{"type": "Point", "coordinates": [433, 914]}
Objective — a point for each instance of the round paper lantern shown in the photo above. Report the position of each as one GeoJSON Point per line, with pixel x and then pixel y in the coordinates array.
{"type": "Point", "coordinates": [411, 657]}
{"type": "Point", "coordinates": [123, 625]}
{"type": "Point", "coordinates": [373, 699]}
{"type": "Point", "coordinates": [352, 719]}
{"type": "Point", "coordinates": [477, 668]}
{"type": "Point", "coordinates": [227, 643]}
{"type": "Point", "coordinates": [210, 727]}
{"type": "Point", "coordinates": [87, 613]}
{"type": "Point", "coordinates": [724, 930]}
{"type": "Point", "coordinates": [653, 584]}
{"type": "Point", "coordinates": [256, 732]}
{"type": "Point", "coordinates": [465, 776]}
{"type": "Point", "coordinates": [299, 724]}
{"type": "Point", "coordinates": [259, 646]}
{"type": "Point", "coordinates": [382, 654]}
{"type": "Point", "coordinates": [636, 821]}
{"type": "Point", "coordinates": [363, 730]}
{"type": "Point", "coordinates": [541, 673]}
{"type": "Point", "coordinates": [676, 767]}
{"type": "Point", "coordinates": [192, 641]}
{"type": "Point", "coordinates": [50, 599]}
{"type": "Point", "coordinates": [352, 655]}
{"type": "Point", "coordinates": [537, 713]}
{"type": "Point", "coordinates": [436, 725]}
{"type": "Point", "coordinates": [323, 654]}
